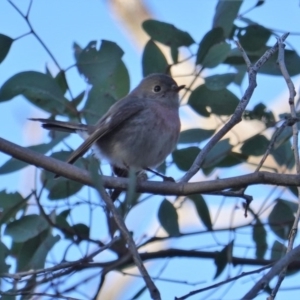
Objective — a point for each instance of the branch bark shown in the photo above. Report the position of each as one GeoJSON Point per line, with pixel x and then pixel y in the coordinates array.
{"type": "Point", "coordinates": [153, 187]}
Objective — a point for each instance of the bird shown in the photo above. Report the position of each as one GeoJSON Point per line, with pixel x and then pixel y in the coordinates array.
{"type": "Point", "coordinates": [139, 131]}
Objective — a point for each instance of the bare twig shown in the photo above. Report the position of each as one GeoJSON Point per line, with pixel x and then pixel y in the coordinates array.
{"type": "Point", "coordinates": [237, 116]}
{"type": "Point", "coordinates": [59, 267]}
{"type": "Point", "coordinates": [223, 282]}
{"type": "Point", "coordinates": [275, 270]}
{"type": "Point", "coordinates": [154, 292]}
{"type": "Point", "coordinates": [292, 94]}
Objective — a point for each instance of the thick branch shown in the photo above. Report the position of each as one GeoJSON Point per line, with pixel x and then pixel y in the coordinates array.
{"type": "Point", "coordinates": [153, 187]}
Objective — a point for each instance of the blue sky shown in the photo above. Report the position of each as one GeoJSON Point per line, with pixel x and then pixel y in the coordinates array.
{"type": "Point", "coordinates": [61, 23]}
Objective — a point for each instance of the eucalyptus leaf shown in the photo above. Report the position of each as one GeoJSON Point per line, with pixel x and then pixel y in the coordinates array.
{"type": "Point", "coordinates": [61, 188]}
{"type": "Point", "coordinates": [284, 155]}
{"type": "Point", "coordinates": [5, 44]}
{"type": "Point", "coordinates": [217, 154]}
{"type": "Point", "coordinates": [220, 102]}
{"type": "Point", "coordinates": [223, 258]}
{"type": "Point", "coordinates": [153, 60]}
{"type": "Point", "coordinates": [202, 210]}
{"type": "Point", "coordinates": [184, 158]}
{"type": "Point", "coordinates": [281, 219]}
{"type": "Point", "coordinates": [195, 135]}
{"type": "Point", "coordinates": [256, 145]}
{"type": "Point", "coordinates": [14, 164]}
{"type": "Point", "coordinates": [226, 13]}
{"type": "Point", "coordinates": [10, 205]}
{"type": "Point", "coordinates": [259, 236]}
{"type": "Point", "coordinates": [219, 82]}
{"type": "Point", "coordinates": [254, 37]}
{"type": "Point", "coordinates": [26, 227]}
{"type": "Point", "coordinates": [212, 37]}
{"type": "Point", "coordinates": [98, 65]}
{"type": "Point", "coordinates": [168, 218]}
{"type": "Point", "coordinates": [167, 34]}
{"type": "Point", "coordinates": [40, 89]}
{"type": "Point", "coordinates": [216, 55]}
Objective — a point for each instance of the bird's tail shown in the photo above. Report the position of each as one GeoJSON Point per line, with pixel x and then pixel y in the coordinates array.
{"type": "Point", "coordinates": [61, 126]}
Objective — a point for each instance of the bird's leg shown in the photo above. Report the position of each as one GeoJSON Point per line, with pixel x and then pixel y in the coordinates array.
{"type": "Point", "coordinates": [165, 178]}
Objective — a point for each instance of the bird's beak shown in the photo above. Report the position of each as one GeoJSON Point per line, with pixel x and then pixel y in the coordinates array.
{"type": "Point", "coordinates": [178, 88]}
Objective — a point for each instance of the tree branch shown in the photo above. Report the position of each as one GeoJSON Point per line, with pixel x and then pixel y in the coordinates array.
{"type": "Point", "coordinates": [275, 270]}
{"type": "Point", "coordinates": [237, 116]}
{"type": "Point", "coordinates": [153, 187]}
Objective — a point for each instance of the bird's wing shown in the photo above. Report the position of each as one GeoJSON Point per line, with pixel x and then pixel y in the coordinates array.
{"type": "Point", "coordinates": [116, 116]}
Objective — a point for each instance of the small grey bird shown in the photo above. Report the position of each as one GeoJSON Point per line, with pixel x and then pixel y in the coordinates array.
{"type": "Point", "coordinates": [139, 131]}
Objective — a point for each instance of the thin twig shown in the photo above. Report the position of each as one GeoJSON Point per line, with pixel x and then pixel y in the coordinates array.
{"type": "Point", "coordinates": [223, 282]}
{"type": "Point", "coordinates": [293, 255]}
{"type": "Point", "coordinates": [292, 94]}
{"type": "Point", "coordinates": [154, 292]}
{"type": "Point", "coordinates": [61, 266]}
{"type": "Point", "coordinates": [237, 116]}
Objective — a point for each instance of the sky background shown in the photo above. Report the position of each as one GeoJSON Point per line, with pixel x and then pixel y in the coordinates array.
{"type": "Point", "coordinates": [60, 24]}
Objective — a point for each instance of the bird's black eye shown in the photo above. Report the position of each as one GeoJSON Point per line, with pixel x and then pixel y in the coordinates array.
{"type": "Point", "coordinates": [157, 88]}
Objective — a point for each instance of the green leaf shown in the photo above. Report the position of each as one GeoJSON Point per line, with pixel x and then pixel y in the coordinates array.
{"type": "Point", "coordinates": [223, 258]}
{"type": "Point", "coordinates": [278, 251]}
{"type": "Point", "coordinates": [219, 82]}
{"type": "Point", "coordinates": [97, 65]}
{"type": "Point", "coordinates": [254, 37]}
{"type": "Point", "coordinates": [5, 43]}
{"type": "Point", "coordinates": [93, 111]}
{"type": "Point", "coordinates": [259, 236]}
{"type": "Point", "coordinates": [38, 259]}
{"type": "Point", "coordinates": [292, 61]}
{"type": "Point", "coordinates": [284, 155]}
{"type": "Point", "coordinates": [202, 210]}
{"type": "Point", "coordinates": [256, 145]}
{"type": "Point", "coordinates": [232, 159]}
{"type": "Point", "coordinates": [195, 135]}
{"type": "Point", "coordinates": [174, 54]}
{"type": "Point", "coordinates": [216, 55]}
{"type": "Point", "coordinates": [184, 158]}
{"type": "Point", "coordinates": [281, 219]}
{"type": "Point", "coordinates": [226, 13]}
{"type": "Point", "coordinates": [217, 154]}
{"type": "Point", "coordinates": [221, 102]}
{"type": "Point", "coordinates": [64, 188]}
{"type": "Point", "coordinates": [212, 37]}
{"type": "Point", "coordinates": [77, 100]}
{"type": "Point", "coordinates": [283, 137]}
{"type": "Point", "coordinates": [81, 230]}
{"type": "Point", "coordinates": [153, 60]}
{"type": "Point", "coordinates": [10, 204]}
{"type": "Point", "coordinates": [61, 80]}
{"type": "Point", "coordinates": [167, 34]}
{"type": "Point", "coordinates": [40, 89]}
{"type": "Point", "coordinates": [3, 254]}
{"type": "Point", "coordinates": [61, 188]}
{"type": "Point", "coordinates": [14, 164]}
{"type": "Point", "coordinates": [168, 218]}
{"type": "Point", "coordinates": [32, 253]}
{"type": "Point", "coordinates": [26, 228]}
{"type": "Point", "coordinates": [261, 113]}
{"type": "Point", "coordinates": [104, 69]}
{"type": "Point", "coordinates": [61, 221]}
{"type": "Point", "coordinates": [240, 75]}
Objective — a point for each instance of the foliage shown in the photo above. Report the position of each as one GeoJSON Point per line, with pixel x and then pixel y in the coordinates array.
{"type": "Point", "coordinates": [35, 237]}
